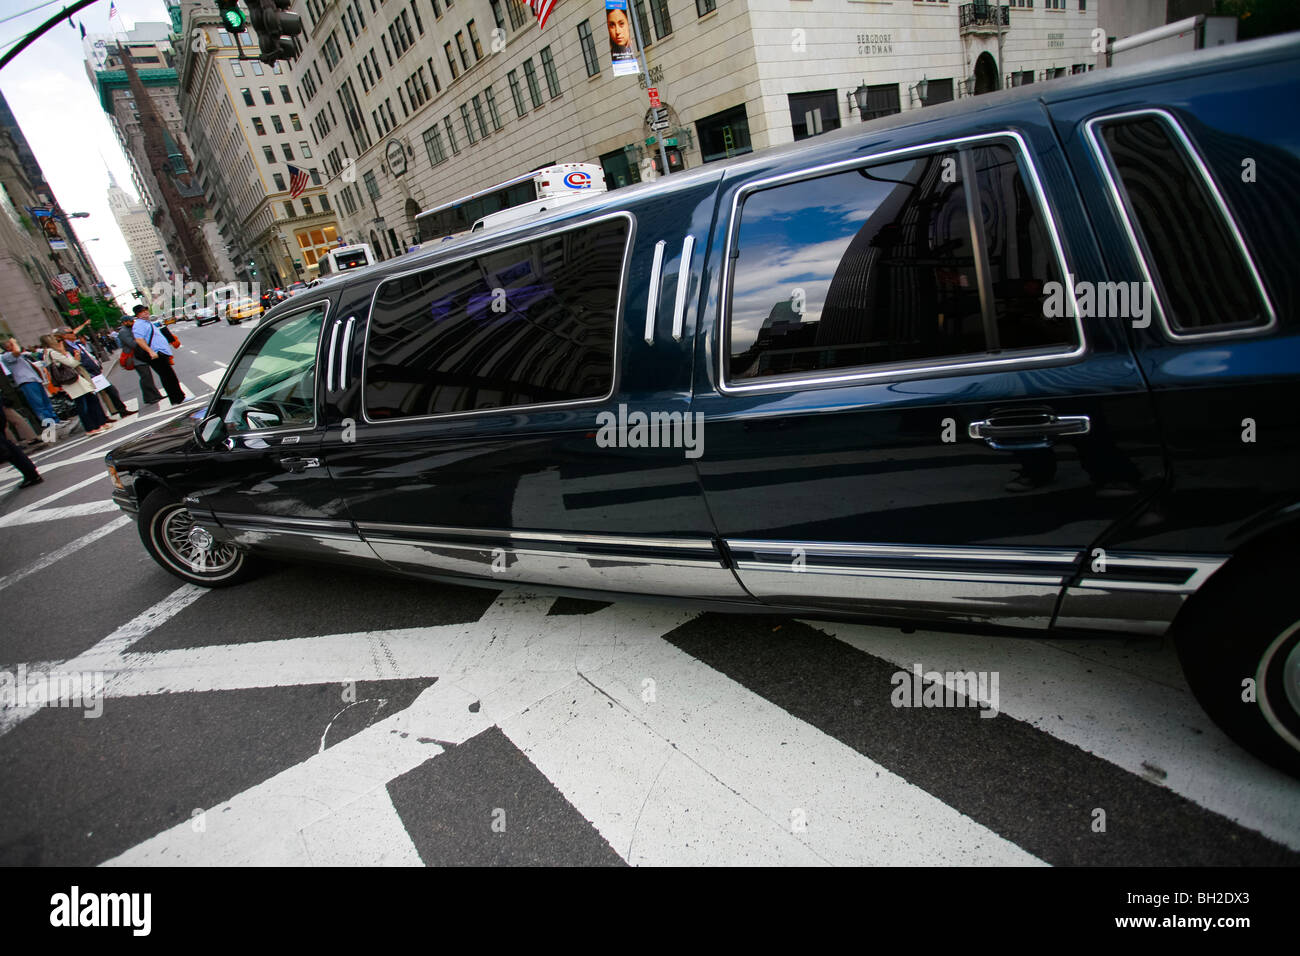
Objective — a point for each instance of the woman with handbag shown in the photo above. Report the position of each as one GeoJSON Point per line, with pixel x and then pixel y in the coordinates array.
{"type": "Point", "coordinates": [66, 372]}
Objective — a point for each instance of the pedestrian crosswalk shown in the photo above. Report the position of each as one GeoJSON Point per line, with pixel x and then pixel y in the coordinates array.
{"type": "Point", "coordinates": [653, 735]}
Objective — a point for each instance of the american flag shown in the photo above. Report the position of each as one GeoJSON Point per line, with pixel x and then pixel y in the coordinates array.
{"type": "Point", "coordinates": [112, 12]}
{"type": "Point", "coordinates": [543, 10]}
{"type": "Point", "coordinates": [297, 181]}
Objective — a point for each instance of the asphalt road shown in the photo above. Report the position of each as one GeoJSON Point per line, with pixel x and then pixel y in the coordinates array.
{"type": "Point", "coordinates": [319, 716]}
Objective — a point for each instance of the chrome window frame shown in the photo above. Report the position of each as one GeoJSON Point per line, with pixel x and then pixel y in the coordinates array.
{"type": "Point", "coordinates": [316, 382]}
{"type": "Point", "coordinates": [904, 370]}
{"type": "Point", "coordinates": [1118, 197]}
{"type": "Point", "coordinates": [506, 241]}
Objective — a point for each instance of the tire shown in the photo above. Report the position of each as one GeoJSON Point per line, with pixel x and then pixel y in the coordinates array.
{"type": "Point", "coordinates": [164, 527]}
{"type": "Point", "coordinates": [1245, 625]}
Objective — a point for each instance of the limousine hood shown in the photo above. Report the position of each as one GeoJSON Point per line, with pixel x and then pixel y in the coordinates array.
{"type": "Point", "coordinates": [170, 438]}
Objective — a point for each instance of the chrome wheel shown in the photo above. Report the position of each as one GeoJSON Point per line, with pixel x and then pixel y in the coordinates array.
{"type": "Point", "coordinates": [189, 548]}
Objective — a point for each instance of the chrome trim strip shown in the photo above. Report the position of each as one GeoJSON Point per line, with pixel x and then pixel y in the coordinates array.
{"type": "Point", "coordinates": [1102, 155]}
{"type": "Point", "coordinates": [279, 520]}
{"type": "Point", "coordinates": [582, 555]}
{"type": "Point", "coordinates": [506, 242]}
{"type": "Point", "coordinates": [912, 574]}
{"type": "Point", "coordinates": [1199, 566]}
{"type": "Point", "coordinates": [918, 552]}
{"type": "Point", "coordinates": [721, 342]}
{"type": "Point", "coordinates": [304, 532]}
{"type": "Point", "coordinates": [683, 282]}
{"type": "Point", "coordinates": [693, 544]}
{"type": "Point", "coordinates": [652, 300]}
{"type": "Point", "coordinates": [345, 353]}
{"type": "Point", "coordinates": [634, 574]}
{"type": "Point", "coordinates": [329, 355]}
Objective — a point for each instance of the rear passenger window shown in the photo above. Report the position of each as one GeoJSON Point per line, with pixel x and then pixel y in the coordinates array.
{"type": "Point", "coordinates": [1202, 279]}
{"type": "Point", "coordinates": [531, 324]}
{"type": "Point", "coordinates": [882, 266]}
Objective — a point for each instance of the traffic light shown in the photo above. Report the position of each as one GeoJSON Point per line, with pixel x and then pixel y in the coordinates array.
{"type": "Point", "coordinates": [252, 266]}
{"type": "Point", "coordinates": [232, 18]}
{"type": "Point", "coordinates": [275, 27]}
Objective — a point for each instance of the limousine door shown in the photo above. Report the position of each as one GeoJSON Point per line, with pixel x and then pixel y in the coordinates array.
{"type": "Point", "coordinates": [904, 416]}
{"type": "Point", "coordinates": [265, 484]}
{"type": "Point", "coordinates": [491, 391]}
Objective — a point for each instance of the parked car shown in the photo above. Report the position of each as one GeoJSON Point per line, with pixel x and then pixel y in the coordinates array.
{"type": "Point", "coordinates": [1026, 363]}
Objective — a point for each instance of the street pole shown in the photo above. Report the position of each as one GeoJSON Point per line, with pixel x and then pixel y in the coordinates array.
{"type": "Point", "coordinates": [645, 68]}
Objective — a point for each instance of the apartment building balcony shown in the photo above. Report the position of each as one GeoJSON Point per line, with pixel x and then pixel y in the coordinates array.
{"type": "Point", "coordinates": [981, 19]}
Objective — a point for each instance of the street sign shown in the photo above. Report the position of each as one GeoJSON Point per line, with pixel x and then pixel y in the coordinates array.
{"type": "Point", "coordinates": [654, 97]}
{"type": "Point", "coordinates": [659, 124]}
{"type": "Point", "coordinates": [670, 141]}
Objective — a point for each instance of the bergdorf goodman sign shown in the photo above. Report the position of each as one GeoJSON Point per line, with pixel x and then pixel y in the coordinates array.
{"type": "Point", "coordinates": [875, 44]}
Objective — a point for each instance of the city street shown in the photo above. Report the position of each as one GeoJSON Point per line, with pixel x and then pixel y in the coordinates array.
{"type": "Point", "coordinates": [320, 716]}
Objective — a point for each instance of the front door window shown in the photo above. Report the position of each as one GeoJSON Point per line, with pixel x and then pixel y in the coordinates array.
{"type": "Point", "coordinates": [273, 385]}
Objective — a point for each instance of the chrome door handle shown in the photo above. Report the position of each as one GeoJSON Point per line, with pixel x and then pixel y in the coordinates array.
{"type": "Point", "coordinates": [299, 464]}
{"type": "Point", "coordinates": [1011, 432]}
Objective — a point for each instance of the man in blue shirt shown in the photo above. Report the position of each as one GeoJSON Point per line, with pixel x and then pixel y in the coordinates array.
{"type": "Point", "coordinates": [159, 353]}
{"type": "Point", "coordinates": [29, 382]}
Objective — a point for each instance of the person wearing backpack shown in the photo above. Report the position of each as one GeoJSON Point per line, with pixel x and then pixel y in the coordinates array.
{"type": "Point", "coordinates": [158, 353]}
{"type": "Point", "coordinates": [67, 373]}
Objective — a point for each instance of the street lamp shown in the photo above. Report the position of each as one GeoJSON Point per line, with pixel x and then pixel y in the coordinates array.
{"type": "Point", "coordinates": [860, 95]}
{"type": "Point", "coordinates": [921, 89]}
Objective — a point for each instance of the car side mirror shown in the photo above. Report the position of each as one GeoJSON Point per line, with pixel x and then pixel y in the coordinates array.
{"type": "Point", "coordinates": [209, 432]}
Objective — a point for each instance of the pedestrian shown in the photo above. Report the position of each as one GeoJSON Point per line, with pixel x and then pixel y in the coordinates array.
{"type": "Point", "coordinates": [22, 424]}
{"type": "Point", "coordinates": [91, 364]}
{"type": "Point", "coordinates": [134, 357]}
{"type": "Point", "coordinates": [66, 372]}
{"type": "Point", "coordinates": [14, 455]}
{"type": "Point", "coordinates": [159, 353]}
{"type": "Point", "coordinates": [29, 381]}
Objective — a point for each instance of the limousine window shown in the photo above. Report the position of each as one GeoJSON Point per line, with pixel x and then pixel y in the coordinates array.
{"type": "Point", "coordinates": [529, 324]}
{"type": "Point", "coordinates": [1203, 280]}
{"type": "Point", "coordinates": [877, 266]}
{"type": "Point", "coordinates": [273, 385]}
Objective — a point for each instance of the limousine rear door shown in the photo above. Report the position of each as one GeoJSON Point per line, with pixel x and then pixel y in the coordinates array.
{"type": "Point", "coordinates": [904, 416]}
{"type": "Point", "coordinates": [491, 391]}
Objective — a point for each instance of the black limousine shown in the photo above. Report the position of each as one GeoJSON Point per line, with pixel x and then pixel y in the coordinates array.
{"type": "Point", "coordinates": [1027, 361]}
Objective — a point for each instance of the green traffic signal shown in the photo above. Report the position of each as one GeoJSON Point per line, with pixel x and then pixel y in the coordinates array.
{"type": "Point", "coordinates": [233, 17]}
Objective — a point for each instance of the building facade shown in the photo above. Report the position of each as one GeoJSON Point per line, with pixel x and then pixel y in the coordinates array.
{"type": "Point", "coordinates": [175, 204]}
{"type": "Point", "coordinates": [149, 259]}
{"type": "Point", "coordinates": [44, 270]}
{"type": "Point", "coordinates": [413, 103]}
{"type": "Point", "coordinates": [248, 129]}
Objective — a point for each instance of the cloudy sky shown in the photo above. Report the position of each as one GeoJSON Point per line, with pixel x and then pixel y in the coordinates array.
{"type": "Point", "coordinates": [58, 110]}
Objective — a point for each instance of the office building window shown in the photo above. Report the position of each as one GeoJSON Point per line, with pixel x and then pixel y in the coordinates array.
{"type": "Point", "coordinates": [530, 76]}
{"type": "Point", "coordinates": [588, 44]}
{"type": "Point", "coordinates": [548, 68]}
{"type": "Point", "coordinates": [515, 93]}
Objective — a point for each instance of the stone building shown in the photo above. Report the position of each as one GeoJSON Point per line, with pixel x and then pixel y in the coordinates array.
{"type": "Point", "coordinates": [413, 103]}
{"type": "Point", "coordinates": [248, 127]}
